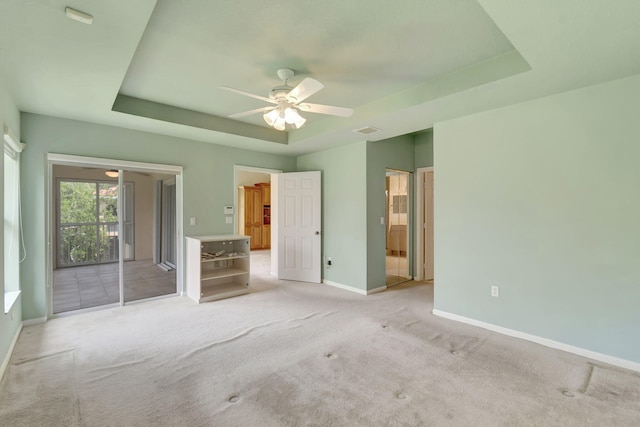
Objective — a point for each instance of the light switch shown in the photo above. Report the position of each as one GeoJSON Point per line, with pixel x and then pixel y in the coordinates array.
{"type": "Point", "coordinates": [381, 220]}
{"type": "Point", "coordinates": [229, 220]}
{"type": "Point", "coordinates": [192, 220]}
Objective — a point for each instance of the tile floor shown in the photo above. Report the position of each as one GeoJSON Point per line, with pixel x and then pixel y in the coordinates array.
{"type": "Point", "coordinates": [75, 288]}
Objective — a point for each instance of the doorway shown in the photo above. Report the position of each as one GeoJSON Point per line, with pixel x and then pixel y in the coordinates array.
{"type": "Point", "coordinates": [102, 231]}
{"type": "Point", "coordinates": [252, 194]}
{"type": "Point", "coordinates": [397, 212]}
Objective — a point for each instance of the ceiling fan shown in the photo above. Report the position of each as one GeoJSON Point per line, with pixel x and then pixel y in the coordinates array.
{"type": "Point", "coordinates": [287, 101]}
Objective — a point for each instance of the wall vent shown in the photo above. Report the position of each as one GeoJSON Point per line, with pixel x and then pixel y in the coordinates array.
{"type": "Point", "coordinates": [367, 130]}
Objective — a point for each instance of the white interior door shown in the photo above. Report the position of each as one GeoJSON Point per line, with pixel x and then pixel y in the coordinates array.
{"type": "Point", "coordinates": [295, 226]}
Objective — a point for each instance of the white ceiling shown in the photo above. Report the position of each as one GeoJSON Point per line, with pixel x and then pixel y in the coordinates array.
{"type": "Point", "coordinates": [402, 65]}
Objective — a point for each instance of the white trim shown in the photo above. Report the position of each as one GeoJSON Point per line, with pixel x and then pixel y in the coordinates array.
{"type": "Point", "coordinates": [611, 360]}
{"type": "Point", "coordinates": [7, 357]}
{"type": "Point", "coordinates": [352, 289]}
{"type": "Point", "coordinates": [419, 270]}
{"type": "Point", "coordinates": [376, 290]}
{"type": "Point", "coordinates": [344, 287]}
{"type": "Point", "coordinates": [36, 321]}
{"type": "Point", "coordinates": [10, 298]}
{"type": "Point", "coordinates": [130, 166]}
{"type": "Point", "coordinates": [12, 140]}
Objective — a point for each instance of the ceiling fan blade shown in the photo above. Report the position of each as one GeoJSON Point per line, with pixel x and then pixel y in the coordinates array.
{"type": "Point", "coordinates": [305, 89]}
{"type": "Point", "coordinates": [326, 109]}
{"type": "Point", "coordinates": [248, 113]}
{"type": "Point", "coordinates": [252, 95]}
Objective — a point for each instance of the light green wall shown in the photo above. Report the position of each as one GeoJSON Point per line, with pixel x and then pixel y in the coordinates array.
{"type": "Point", "coordinates": [424, 149]}
{"type": "Point", "coordinates": [10, 116]}
{"type": "Point", "coordinates": [354, 201]}
{"type": "Point", "coordinates": [343, 211]}
{"type": "Point", "coordinates": [542, 199]}
{"type": "Point", "coordinates": [208, 180]}
{"type": "Point", "coordinates": [395, 153]}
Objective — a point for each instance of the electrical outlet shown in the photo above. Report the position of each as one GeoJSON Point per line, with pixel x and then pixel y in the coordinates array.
{"type": "Point", "coordinates": [495, 291]}
{"type": "Point", "coordinates": [329, 262]}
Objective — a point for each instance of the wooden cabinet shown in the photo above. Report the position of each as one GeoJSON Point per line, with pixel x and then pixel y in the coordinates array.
{"type": "Point", "coordinates": [266, 236]}
{"type": "Point", "coordinates": [250, 215]}
{"type": "Point", "coordinates": [217, 267]}
{"type": "Point", "coordinates": [254, 215]}
{"type": "Point", "coordinates": [265, 187]}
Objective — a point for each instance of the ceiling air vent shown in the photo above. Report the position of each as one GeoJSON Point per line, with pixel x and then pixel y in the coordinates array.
{"type": "Point", "coordinates": [367, 130]}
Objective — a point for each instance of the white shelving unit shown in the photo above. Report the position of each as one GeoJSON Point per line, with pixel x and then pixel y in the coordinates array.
{"type": "Point", "coordinates": [217, 267]}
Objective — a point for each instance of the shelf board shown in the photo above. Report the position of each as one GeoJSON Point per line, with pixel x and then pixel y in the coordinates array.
{"type": "Point", "coordinates": [226, 290]}
{"type": "Point", "coordinates": [222, 258]}
{"type": "Point", "coordinates": [221, 272]}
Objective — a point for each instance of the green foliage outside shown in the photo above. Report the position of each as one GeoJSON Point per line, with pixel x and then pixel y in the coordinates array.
{"type": "Point", "coordinates": [88, 222]}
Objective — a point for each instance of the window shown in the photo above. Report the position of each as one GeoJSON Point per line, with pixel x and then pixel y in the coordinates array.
{"type": "Point", "coordinates": [87, 222]}
{"type": "Point", "coordinates": [12, 150]}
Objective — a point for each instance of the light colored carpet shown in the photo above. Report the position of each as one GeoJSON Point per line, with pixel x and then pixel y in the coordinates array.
{"type": "Point", "coordinates": [294, 354]}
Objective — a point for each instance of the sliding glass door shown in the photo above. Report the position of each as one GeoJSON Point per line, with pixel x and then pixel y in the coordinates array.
{"type": "Point", "coordinates": [105, 228]}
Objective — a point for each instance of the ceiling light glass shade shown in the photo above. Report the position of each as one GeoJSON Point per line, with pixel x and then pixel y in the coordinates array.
{"type": "Point", "coordinates": [291, 115]}
{"type": "Point", "coordinates": [112, 173]}
{"type": "Point", "coordinates": [300, 121]}
{"type": "Point", "coordinates": [282, 115]}
{"type": "Point", "coordinates": [279, 123]}
{"type": "Point", "coordinates": [271, 116]}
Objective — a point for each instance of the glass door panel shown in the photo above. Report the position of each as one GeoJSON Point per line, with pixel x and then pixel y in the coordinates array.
{"type": "Point", "coordinates": [143, 219]}
{"type": "Point", "coordinates": [86, 271]}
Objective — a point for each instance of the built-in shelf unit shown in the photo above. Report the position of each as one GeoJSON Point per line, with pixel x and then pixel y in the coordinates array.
{"type": "Point", "coordinates": [217, 266]}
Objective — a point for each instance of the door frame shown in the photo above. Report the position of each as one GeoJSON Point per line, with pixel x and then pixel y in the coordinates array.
{"type": "Point", "coordinates": [104, 163]}
{"type": "Point", "coordinates": [419, 212]}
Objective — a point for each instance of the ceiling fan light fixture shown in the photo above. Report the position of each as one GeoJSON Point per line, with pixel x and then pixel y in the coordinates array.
{"type": "Point", "coordinates": [287, 102]}
{"type": "Point", "coordinates": [112, 173]}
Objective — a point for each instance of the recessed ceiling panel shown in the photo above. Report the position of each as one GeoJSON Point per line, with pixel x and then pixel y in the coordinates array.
{"type": "Point", "coordinates": [361, 50]}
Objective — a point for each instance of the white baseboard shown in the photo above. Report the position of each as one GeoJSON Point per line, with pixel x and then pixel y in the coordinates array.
{"type": "Point", "coordinates": [345, 287]}
{"type": "Point", "coordinates": [7, 357]}
{"type": "Point", "coordinates": [611, 360]}
{"type": "Point", "coordinates": [352, 289]}
{"type": "Point", "coordinates": [376, 290]}
{"type": "Point", "coordinates": [35, 321]}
